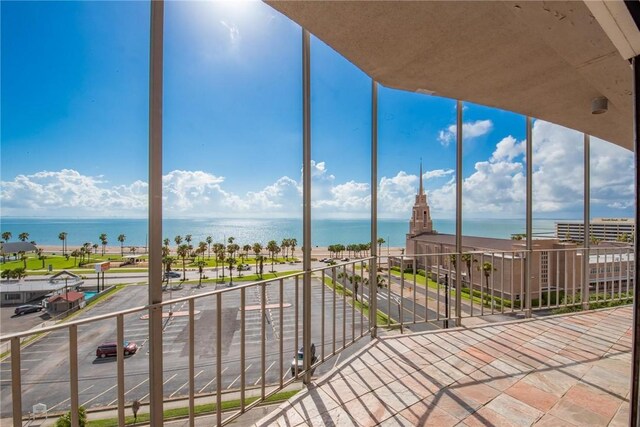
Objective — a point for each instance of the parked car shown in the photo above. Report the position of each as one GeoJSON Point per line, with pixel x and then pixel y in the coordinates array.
{"type": "Point", "coordinates": [111, 349]}
{"type": "Point", "coordinates": [244, 267]}
{"type": "Point", "coordinates": [171, 275]}
{"type": "Point", "coordinates": [298, 360]}
{"type": "Point", "coordinates": [27, 308]}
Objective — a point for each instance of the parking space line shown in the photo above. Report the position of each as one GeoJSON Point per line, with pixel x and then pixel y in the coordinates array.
{"type": "Point", "coordinates": [234, 381]}
{"type": "Point", "coordinates": [131, 389]}
{"type": "Point", "coordinates": [214, 378]}
{"type": "Point", "coordinates": [97, 396]}
{"type": "Point", "coordinates": [265, 372]}
{"type": "Point", "coordinates": [68, 399]}
{"type": "Point", "coordinates": [147, 395]}
{"type": "Point", "coordinates": [185, 384]}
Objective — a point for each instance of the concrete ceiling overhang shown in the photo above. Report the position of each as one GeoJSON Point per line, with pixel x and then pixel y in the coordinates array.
{"type": "Point", "coordinates": [548, 60]}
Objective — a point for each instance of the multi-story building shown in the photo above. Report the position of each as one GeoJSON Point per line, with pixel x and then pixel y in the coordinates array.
{"type": "Point", "coordinates": [607, 229]}
{"type": "Point", "coordinates": [497, 266]}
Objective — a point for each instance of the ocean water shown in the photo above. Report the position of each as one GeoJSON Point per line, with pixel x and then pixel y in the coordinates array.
{"type": "Point", "coordinates": [324, 232]}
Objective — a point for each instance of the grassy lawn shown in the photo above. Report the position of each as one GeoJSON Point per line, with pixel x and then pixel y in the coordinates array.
{"type": "Point", "coordinates": [58, 262]}
{"type": "Point", "coordinates": [208, 408]}
{"type": "Point", "coordinates": [244, 278]}
{"type": "Point", "coordinates": [381, 318]}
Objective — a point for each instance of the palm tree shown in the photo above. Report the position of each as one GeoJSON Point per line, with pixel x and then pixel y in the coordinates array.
{"type": "Point", "coordinates": [220, 258]}
{"type": "Point", "coordinates": [23, 258]}
{"type": "Point", "coordinates": [121, 239]}
{"type": "Point", "coordinates": [257, 249]}
{"type": "Point", "coordinates": [487, 268]}
{"type": "Point", "coordinates": [381, 242]}
{"type": "Point", "coordinates": [178, 240]}
{"type": "Point", "coordinates": [293, 242]}
{"type": "Point", "coordinates": [285, 246]}
{"type": "Point", "coordinates": [209, 240]}
{"type": "Point", "coordinates": [6, 236]}
{"type": "Point", "coordinates": [75, 254]}
{"type": "Point", "coordinates": [95, 249]}
{"type": "Point", "coordinates": [63, 236]}
{"type": "Point", "coordinates": [183, 252]}
{"type": "Point", "coordinates": [272, 246]}
{"type": "Point", "coordinates": [231, 261]}
{"type": "Point", "coordinates": [202, 248]}
{"type": "Point", "coordinates": [187, 239]}
{"type": "Point", "coordinates": [246, 249]}
{"type": "Point", "coordinates": [103, 239]}
{"type": "Point", "coordinates": [87, 250]}
{"type": "Point", "coordinates": [23, 237]}
{"type": "Point", "coordinates": [165, 242]}
{"type": "Point", "coordinates": [200, 265]}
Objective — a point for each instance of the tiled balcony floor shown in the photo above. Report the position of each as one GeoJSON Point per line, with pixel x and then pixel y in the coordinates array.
{"type": "Point", "coordinates": [570, 370]}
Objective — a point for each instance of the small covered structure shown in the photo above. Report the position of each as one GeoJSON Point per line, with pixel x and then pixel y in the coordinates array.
{"type": "Point", "coordinates": [65, 301]}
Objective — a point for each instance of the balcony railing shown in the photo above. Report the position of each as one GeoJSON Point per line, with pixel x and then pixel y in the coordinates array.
{"type": "Point", "coordinates": [252, 332]}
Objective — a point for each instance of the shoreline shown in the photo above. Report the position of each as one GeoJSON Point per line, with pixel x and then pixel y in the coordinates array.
{"type": "Point", "coordinates": [316, 251]}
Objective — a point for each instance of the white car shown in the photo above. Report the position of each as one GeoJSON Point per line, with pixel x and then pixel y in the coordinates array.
{"type": "Point", "coordinates": [298, 361]}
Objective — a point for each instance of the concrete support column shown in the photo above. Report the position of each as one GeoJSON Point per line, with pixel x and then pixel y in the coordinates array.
{"type": "Point", "coordinates": [634, 401]}
{"type": "Point", "coordinates": [306, 202]}
{"type": "Point", "coordinates": [155, 213]}
{"type": "Point", "coordinates": [373, 265]}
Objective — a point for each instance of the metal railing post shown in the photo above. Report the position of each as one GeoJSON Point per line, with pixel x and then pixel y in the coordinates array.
{"type": "Point", "coordinates": [373, 270]}
{"type": "Point", "coordinates": [634, 396]}
{"type": "Point", "coordinates": [587, 224]}
{"type": "Point", "coordinates": [529, 219]}
{"type": "Point", "coordinates": [73, 374]}
{"type": "Point", "coordinates": [459, 178]}
{"type": "Point", "coordinates": [16, 382]}
{"type": "Point", "coordinates": [306, 196]}
{"type": "Point", "coordinates": [155, 212]}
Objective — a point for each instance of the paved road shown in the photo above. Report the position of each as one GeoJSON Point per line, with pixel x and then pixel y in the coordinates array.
{"type": "Point", "coordinates": [45, 365]}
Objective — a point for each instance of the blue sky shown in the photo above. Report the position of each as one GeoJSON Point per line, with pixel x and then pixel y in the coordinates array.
{"type": "Point", "coordinates": [74, 125]}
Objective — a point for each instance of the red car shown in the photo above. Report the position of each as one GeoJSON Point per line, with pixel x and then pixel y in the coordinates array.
{"type": "Point", "coordinates": [111, 349]}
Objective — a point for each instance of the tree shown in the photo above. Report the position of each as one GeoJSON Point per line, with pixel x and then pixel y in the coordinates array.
{"type": "Point", "coordinates": [285, 246]}
{"type": "Point", "coordinates": [257, 249]}
{"type": "Point", "coordinates": [63, 236]}
{"type": "Point", "coordinates": [272, 247]}
{"type": "Point", "coordinates": [103, 240]}
{"type": "Point", "coordinates": [75, 254]}
{"type": "Point", "coordinates": [246, 249]}
{"type": "Point", "coordinates": [381, 242]}
{"type": "Point", "coordinates": [87, 250]}
{"type": "Point", "coordinates": [178, 240]}
{"type": "Point", "coordinates": [65, 420]}
{"type": "Point", "coordinates": [95, 248]}
{"type": "Point", "coordinates": [209, 240]}
{"type": "Point", "coordinates": [167, 261]}
{"type": "Point", "coordinates": [187, 239]}
{"type": "Point", "coordinates": [293, 242]}
{"type": "Point", "coordinates": [23, 237]}
{"type": "Point", "coordinates": [41, 257]}
{"type": "Point", "coordinates": [231, 261]}
{"type": "Point", "coordinates": [23, 258]}
{"type": "Point", "coordinates": [200, 265]}
{"type": "Point", "coordinates": [487, 269]}
{"type": "Point", "coordinates": [202, 248]}
{"type": "Point", "coordinates": [133, 249]}
{"type": "Point", "coordinates": [183, 252]}
{"type": "Point", "coordinates": [220, 258]}
{"type": "Point", "coordinates": [6, 236]}
{"type": "Point", "coordinates": [121, 239]}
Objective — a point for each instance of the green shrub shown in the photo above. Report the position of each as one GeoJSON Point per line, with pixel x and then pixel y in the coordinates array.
{"type": "Point", "coordinates": [65, 420]}
{"type": "Point", "coordinates": [421, 272]}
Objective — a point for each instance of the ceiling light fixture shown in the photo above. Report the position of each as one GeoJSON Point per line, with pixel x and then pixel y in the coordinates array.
{"type": "Point", "coordinates": [599, 105]}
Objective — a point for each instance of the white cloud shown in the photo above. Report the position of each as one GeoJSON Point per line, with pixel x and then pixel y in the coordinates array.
{"type": "Point", "coordinates": [496, 187]}
{"type": "Point", "coordinates": [234, 32]}
{"type": "Point", "coordinates": [470, 130]}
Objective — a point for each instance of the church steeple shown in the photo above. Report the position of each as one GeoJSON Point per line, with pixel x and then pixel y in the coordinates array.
{"type": "Point", "coordinates": [421, 192]}
{"type": "Point", "coordinates": [421, 217]}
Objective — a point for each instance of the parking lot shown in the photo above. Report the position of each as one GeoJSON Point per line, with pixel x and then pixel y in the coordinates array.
{"type": "Point", "coordinates": [45, 370]}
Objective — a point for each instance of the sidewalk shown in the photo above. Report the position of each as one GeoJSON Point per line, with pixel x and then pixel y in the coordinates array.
{"type": "Point", "coordinates": [205, 420]}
